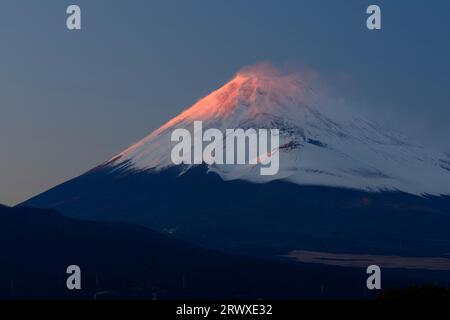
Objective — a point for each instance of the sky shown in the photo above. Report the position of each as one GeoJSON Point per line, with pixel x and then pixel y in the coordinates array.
{"type": "Point", "coordinates": [70, 100]}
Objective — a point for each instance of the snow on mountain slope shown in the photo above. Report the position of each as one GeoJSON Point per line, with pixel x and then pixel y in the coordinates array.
{"type": "Point", "coordinates": [321, 143]}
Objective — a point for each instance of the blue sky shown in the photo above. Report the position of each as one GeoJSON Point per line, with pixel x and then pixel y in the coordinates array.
{"type": "Point", "coordinates": [70, 100]}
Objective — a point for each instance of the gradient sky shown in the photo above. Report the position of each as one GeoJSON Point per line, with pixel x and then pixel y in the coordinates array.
{"type": "Point", "coordinates": [70, 100]}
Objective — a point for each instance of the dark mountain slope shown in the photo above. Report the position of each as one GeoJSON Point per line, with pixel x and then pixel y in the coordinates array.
{"type": "Point", "coordinates": [129, 261]}
{"type": "Point", "coordinates": [270, 218]}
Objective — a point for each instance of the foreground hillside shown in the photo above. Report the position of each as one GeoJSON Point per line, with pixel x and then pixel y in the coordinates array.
{"type": "Point", "coordinates": [121, 260]}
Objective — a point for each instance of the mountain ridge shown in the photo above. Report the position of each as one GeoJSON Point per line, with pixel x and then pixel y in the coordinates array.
{"type": "Point", "coordinates": [345, 184]}
{"type": "Point", "coordinates": [321, 141]}
{"type": "Point", "coordinates": [122, 260]}
{"type": "Point", "coordinates": [272, 218]}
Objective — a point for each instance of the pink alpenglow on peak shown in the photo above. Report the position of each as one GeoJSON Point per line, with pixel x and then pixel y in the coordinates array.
{"type": "Point", "coordinates": [321, 141]}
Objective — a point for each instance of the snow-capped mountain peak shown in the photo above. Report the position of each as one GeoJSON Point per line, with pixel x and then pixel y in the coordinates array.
{"type": "Point", "coordinates": [321, 143]}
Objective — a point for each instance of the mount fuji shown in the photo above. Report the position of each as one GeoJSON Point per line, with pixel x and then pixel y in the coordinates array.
{"type": "Point", "coordinates": [345, 183]}
{"type": "Point", "coordinates": [319, 145]}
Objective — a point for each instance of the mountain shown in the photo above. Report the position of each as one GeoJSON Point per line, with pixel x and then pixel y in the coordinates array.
{"type": "Point", "coordinates": [344, 185]}
{"type": "Point", "coordinates": [121, 260]}
{"type": "Point", "coordinates": [321, 142]}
